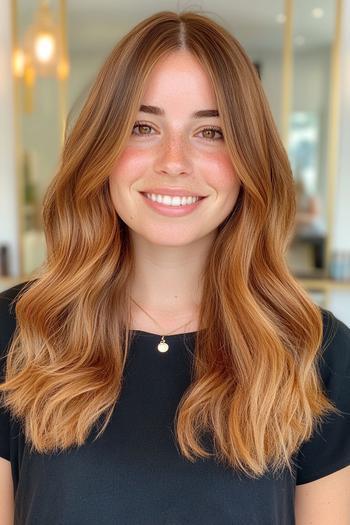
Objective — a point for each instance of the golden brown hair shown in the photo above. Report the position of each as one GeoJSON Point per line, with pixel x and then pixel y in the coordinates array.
{"type": "Point", "coordinates": [256, 387]}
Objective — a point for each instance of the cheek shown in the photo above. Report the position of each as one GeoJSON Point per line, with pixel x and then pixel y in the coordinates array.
{"type": "Point", "coordinates": [129, 165]}
{"type": "Point", "coordinates": [222, 176]}
{"type": "Point", "coordinates": [124, 175]}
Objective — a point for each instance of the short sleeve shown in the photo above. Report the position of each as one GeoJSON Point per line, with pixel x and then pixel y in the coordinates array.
{"type": "Point", "coordinates": [328, 449]}
{"type": "Point", "coordinates": [7, 328]}
{"type": "Point", "coordinates": [4, 435]}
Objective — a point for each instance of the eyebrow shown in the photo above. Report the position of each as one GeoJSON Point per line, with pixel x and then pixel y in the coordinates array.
{"type": "Point", "coordinates": [154, 110]}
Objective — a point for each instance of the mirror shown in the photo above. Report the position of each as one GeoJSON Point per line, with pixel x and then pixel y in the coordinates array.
{"type": "Point", "coordinates": [43, 102]}
{"type": "Point", "coordinates": [308, 145]}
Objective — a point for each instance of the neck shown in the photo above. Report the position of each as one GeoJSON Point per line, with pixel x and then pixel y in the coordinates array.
{"type": "Point", "coordinates": [167, 282]}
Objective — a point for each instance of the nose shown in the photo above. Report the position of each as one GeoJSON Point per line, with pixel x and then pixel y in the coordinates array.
{"type": "Point", "coordinates": [174, 156]}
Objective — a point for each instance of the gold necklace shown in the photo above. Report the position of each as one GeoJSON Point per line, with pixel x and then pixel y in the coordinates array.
{"type": "Point", "coordinates": [162, 345]}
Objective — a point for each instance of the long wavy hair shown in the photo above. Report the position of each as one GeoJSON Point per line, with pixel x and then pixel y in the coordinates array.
{"type": "Point", "coordinates": [255, 384]}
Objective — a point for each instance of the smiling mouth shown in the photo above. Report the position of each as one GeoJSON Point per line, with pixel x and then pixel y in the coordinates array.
{"type": "Point", "coordinates": [171, 205]}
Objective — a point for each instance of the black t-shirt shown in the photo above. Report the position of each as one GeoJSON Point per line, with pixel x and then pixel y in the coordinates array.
{"type": "Point", "coordinates": [134, 475]}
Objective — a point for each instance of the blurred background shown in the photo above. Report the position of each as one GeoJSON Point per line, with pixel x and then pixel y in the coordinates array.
{"type": "Point", "coordinates": [52, 50]}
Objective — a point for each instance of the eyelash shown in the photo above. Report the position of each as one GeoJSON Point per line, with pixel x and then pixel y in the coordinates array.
{"type": "Point", "coordinates": [140, 123]}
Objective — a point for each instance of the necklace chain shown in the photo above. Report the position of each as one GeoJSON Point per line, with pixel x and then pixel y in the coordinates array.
{"type": "Point", "coordinates": [162, 345]}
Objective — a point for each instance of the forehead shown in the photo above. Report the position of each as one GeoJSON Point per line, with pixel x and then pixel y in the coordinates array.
{"type": "Point", "coordinates": [179, 79]}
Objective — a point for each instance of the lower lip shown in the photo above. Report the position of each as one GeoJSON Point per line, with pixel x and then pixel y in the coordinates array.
{"type": "Point", "coordinates": [172, 211]}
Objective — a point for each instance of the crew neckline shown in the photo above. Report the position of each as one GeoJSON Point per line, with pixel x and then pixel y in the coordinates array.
{"type": "Point", "coordinates": [171, 336]}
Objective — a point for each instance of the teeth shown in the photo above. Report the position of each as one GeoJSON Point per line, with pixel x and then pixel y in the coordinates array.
{"type": "Point", "coordinates": [172, 201]}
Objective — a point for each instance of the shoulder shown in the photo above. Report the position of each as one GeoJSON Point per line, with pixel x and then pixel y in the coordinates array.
{"type": "Point", "coordinates": [7, 297]}
{"type": "Point", "coordinates": [328, 449]}
{"type": "Point", "coordinates": [8, 314]}
{"type": "Point", "coordinates": [8, 302]}
{"type": "Point", "coordinates": [335, 348]}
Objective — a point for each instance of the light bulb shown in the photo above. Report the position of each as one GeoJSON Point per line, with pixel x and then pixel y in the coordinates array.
{"type": "Point", "coordinates": [18, 62]}
{"type": "Point", "coordinates": [317, 12]}
{"type": "Point", "coordinates": [281, 18]}
{"type": "Point", "coordinates": [44, 47]}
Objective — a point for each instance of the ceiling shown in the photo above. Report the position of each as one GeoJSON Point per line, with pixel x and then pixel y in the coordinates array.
{"type": "Point", "coordinates": [95, 26]}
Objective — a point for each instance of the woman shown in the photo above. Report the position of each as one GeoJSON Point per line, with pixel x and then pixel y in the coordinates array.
{"type": "Point", "coordinates": [164, 367]}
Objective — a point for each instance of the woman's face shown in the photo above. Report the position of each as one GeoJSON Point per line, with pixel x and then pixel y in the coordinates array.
{"type": "Point", "coordinates": [175, 150]}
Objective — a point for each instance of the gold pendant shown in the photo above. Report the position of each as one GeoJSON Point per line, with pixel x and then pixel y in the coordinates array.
{"type": "Point", "coordinates": [163, 346]}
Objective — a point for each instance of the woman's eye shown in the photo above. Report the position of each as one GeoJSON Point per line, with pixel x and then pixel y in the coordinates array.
{"type": "Point", "coordinates": [141, 125]}
{"type": "Point", "coordinates": [213, 131]}
{"type": "Point", "coordinates": [144, 125]}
